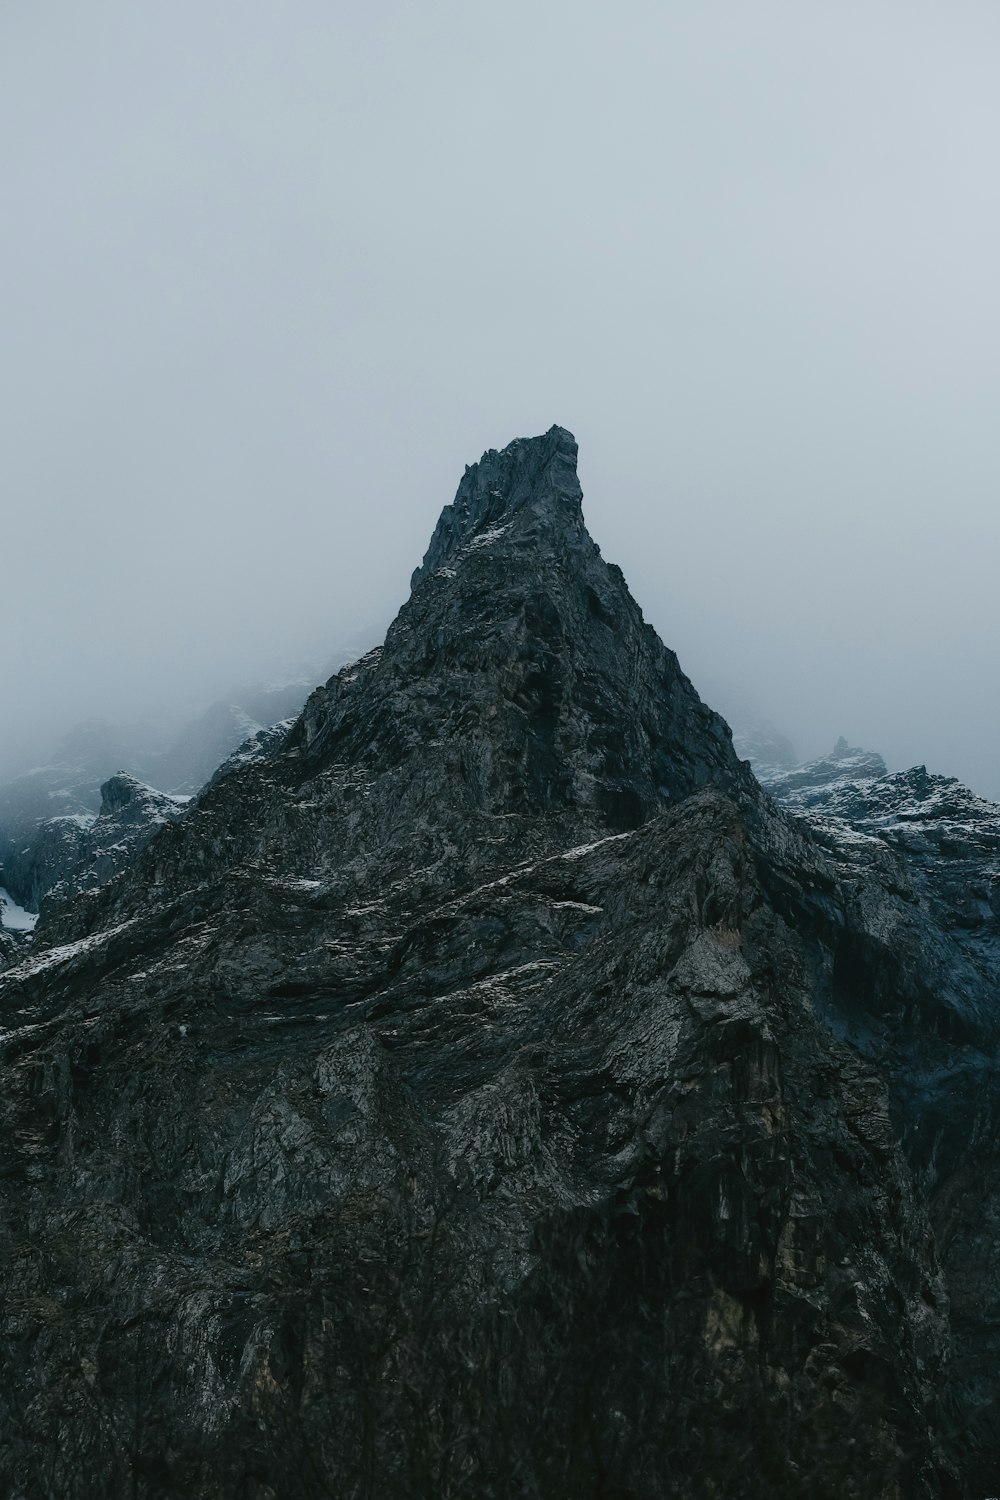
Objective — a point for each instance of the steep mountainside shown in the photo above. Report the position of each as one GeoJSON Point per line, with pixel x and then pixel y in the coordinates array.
{"type": "Point", "coordinates": [490, 1091]}
{"type": "Point", "coordinates": [190, 760]}
{"type": "Point", "coordinates": [255, 747]}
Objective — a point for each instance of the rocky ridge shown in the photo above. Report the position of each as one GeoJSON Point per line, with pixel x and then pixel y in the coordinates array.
{"type": "Point", "coordinates": [560, 1115]}
{"type": "Point", "coordinates": [257, 746]}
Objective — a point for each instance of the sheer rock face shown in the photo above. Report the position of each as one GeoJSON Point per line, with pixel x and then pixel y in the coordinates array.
{"type": "Point", "coordinates": [462, 1099]}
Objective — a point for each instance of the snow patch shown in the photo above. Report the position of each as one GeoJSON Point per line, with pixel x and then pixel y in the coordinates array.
{"type": "Point", "coordinates": [66, 951]}
{"type": "Point", "coordinates": [583, 849]}
{"type": "Point", "coordinates": [15, 918]}
{"type": "Point", "coordinates": [485, 537]}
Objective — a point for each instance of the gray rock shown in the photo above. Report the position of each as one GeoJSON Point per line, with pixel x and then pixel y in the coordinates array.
{"type": "Point", "coordinates": [490, 1090]}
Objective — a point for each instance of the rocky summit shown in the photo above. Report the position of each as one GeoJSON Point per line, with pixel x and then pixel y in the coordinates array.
{"type": "Point", "coordinates": [488, 1090]}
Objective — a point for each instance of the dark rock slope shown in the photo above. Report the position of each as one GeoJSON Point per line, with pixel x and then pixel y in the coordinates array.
{"type": "Point", "coordinates": [915, 990]}
{"type": "Point", "coordinates": [477, 1095]}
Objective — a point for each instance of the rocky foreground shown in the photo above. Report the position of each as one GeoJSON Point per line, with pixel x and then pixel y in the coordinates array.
{"type": "Point", "coordinates": [490, 1090]}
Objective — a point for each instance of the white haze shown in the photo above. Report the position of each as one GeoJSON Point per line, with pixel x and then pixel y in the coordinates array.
{"type": "Point", "coordinates": [273, 273]}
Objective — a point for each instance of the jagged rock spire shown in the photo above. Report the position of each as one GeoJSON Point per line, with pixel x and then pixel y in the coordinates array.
{"type": "Point", "coordinates": [549, 690]}
{"type": "Point", "coordinates": [534, 479]}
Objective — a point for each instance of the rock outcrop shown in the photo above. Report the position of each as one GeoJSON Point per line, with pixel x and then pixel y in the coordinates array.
{"type": "Point", "coordinates": [490, 1090]}
{"type": "Point", "coordinates": [78, 851]}
{"type": "Point", "coordinates": [192, 757]}
{"type": "Point", "coordinates": [257, 746]}
{"type": "Point", "coordinates": [815, 782]}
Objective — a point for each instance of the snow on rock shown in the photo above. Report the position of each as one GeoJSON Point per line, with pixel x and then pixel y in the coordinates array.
{"type": "Point", "coordinates": [493, 534]}
{"type": "Point", "coordinates": [811, 784]}
{"type": "Point", "coordinates": [14, 916]}
{"type": "Point", "coordinates": [79, 851]}
{"type": "Point", "coordinates": [67, 951]}
{"type": "Point", "coordinates": [256, 747]}
{"type": "Point", "coordinates": [947, 835]}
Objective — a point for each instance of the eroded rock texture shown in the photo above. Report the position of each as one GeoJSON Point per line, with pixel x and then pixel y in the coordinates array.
{"type": "Point", "coordinates": [490, 1091]}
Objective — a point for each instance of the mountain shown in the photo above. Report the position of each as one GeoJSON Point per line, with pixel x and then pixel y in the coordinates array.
{"type": "Point", "coordinates": [50, 844]}
{"type": "Point", "coordinates": [255, 747]}
{"type": "Point", "coordinates": [765, 747]}
{"type": "Point", "coordinates": [816, 782]}
{"type": "Point", "coordinates": [194, 754]}
{"type": "Point", "coordinates": [78, 851]}
{"type": "Point", "coordinates": [489, 1089]}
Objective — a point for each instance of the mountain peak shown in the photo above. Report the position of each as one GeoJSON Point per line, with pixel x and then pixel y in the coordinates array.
{"type": "Point", "coordinates": [498, 980]}
{"type": "Point", "coordinates": [532, 479]}
{"type": "Point", "coordinates": [520, 673]}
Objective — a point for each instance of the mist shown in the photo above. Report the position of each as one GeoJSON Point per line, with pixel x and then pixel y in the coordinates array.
{"type": "Point", "coordinates": [275, 273]}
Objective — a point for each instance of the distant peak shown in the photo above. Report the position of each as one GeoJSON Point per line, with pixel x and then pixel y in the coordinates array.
{"type": "Point", "coordinates": [531, 453]}
{"type": "Point", "coordinates": [122, 791]}
{"type": "Point", "coordinates": [536, 475]}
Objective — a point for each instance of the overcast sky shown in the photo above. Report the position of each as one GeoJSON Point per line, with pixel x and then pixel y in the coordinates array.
{"type": "Point", "coordinates": [275, 272]}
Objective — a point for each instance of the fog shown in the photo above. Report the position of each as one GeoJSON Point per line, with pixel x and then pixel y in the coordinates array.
{"type": "Point", "coordinates": [274, 273]}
